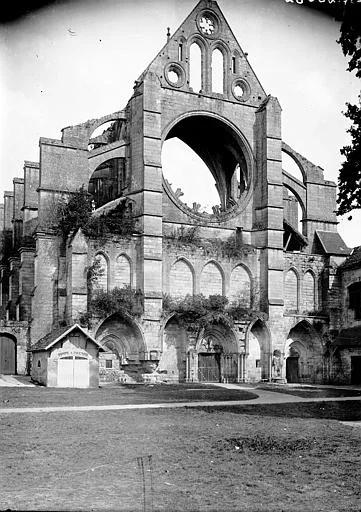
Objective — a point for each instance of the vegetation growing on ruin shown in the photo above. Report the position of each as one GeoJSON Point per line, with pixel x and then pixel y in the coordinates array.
{"type": "Point", "coordinates": [76, 212]}
{"type": "Point", "coordinates": [232, 247]}
{"type": "Point", "coordinates": [118, 300]}
{"type": "Point", "coordinates": [197, 311]}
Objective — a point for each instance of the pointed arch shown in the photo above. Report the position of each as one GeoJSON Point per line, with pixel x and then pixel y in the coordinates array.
{"type": "Point", "coordinates": [258, 350]}
{"type": "Point", "coordinates": [196, 51]}
{"type": "Point", "coordinates": [126, 331]}
{"type": "Point", "coordinates": [102, 280]}
{"type": "Point", "coordinates": [240, 285]}
{"type": "Point", "coordinates": [123, 271]}
{"type": "Point", "coordinates": [218, 77]}
{"type": "Point", "coordinates": [181, 278]}
{"type": "Point", "coordinates": [304, 354]}
{"type": "Point", "coordinates": [212, 279]}
{"type": "Point", "coordinates": [291, 289]}
{"type": "Point", "coordinates": [309, 291]}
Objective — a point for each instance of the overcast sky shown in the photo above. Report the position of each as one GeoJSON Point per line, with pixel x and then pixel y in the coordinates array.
{"type": "Point", "coordinates": [75, 61]}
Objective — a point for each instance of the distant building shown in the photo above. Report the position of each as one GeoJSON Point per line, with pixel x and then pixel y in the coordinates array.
{"type": "Point", "coordinates": [299, 293]}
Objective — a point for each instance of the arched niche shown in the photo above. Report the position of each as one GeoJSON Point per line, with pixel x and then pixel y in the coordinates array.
{"type": "Point", "coordinates": [291, 290]}
{"type": "Point", "coordinates": [212, 279]}
{"type": "Point", "coordinates": [172, 364]}
{"type": "Point", "coordinates": [304, 354]}
{"type": "Point", "coordinates": [258, 343]}
{"type": "Point", "coordinates": [309, 291]}
{"type": "Point", "coordinates": [101, 280]}
{"type": "Point", "coordinates": [240, 286]}
{"type": "Point", "coordinates": [125, 335]}
{"type": "Point", "coordinates": [181, 279]}
{"type": "Point", "coordinates": [122, 271]}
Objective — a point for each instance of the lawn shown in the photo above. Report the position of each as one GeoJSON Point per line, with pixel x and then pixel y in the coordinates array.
{"type": "Point", "coordinates": [40, 396]}
{"type": "Point", "coordinates": [246, 458]}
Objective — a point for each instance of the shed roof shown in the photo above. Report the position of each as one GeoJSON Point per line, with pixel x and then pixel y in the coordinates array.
{"type": "Point", "coordinates": [332, 243]}
{"type": "Point", "coordinates": [56, 335]}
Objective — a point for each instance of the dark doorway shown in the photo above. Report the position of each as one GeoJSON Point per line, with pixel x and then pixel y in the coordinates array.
{"type": "Point", "coordinates": [7, 355]}
{"type": "Point", "coordinates": [292, 374]}
{"type": "Point", "coordinates": [209, 368]}
{"type": "Point", "coordinates": [356, 370]}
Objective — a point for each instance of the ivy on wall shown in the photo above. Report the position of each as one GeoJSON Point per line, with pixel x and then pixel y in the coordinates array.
{"type": "Point", "coordinates": [195, 312]}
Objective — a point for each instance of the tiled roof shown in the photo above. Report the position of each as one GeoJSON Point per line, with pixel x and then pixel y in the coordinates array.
{"type": "Point", "coordinates": [354, 260]}
{"type": "Point", "coordinates": [56, 335]}
{"type": "Point", "coordinates": [332, 243]}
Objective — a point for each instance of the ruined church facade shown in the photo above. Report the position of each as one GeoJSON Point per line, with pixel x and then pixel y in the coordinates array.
{"type": "Point", "coordinates": [284, 277]}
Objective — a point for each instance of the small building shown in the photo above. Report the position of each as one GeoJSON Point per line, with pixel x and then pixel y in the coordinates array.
{"type": "Point", "coordinates": [66, 358]}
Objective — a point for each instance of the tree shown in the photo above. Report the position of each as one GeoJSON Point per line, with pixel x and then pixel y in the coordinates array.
{"type": "Point", "coordinates": [349, 180]}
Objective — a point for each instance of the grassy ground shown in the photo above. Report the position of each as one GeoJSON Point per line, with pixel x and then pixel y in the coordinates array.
{"type": "Point", "coordinates": [249, 458]}
{"type": "Point", "coordinates": [310, 392]}
{"type": "Point", "coordinates": [126, 394]}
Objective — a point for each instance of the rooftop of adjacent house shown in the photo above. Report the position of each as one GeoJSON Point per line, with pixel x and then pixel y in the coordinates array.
{"type": "Point", "coordinates": [332, 243]}
{"type": "Point", "coordinates": [354, 260]}
{"type": "Point", "coordinates": [56, 335]}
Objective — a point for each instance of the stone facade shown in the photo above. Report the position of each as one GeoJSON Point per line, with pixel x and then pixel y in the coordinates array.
{"type": "Point", "coordinates": [285, 279]}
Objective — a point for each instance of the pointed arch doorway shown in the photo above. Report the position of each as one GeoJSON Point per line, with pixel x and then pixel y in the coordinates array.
{"type": "Point", "coordinates": [218, 354]}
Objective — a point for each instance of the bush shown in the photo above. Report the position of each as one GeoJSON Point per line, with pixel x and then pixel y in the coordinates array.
{"type": "Point", "coordinates": [117, 300]}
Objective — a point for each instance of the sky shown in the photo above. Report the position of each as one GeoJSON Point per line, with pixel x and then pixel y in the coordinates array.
{"type": "Point", "coordinates": [78, 60]}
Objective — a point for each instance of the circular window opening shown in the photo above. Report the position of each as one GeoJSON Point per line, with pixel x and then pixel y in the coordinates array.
{"type": "Point", "coordinates": [174, 74]}
{"type": "Point", "coordinates": [204, 164]}
{"type": "Point", "coordinates": [241, 90]}
{"type": "Point", "coordinates": [238, 91]}
{"type": "Point", "coordinates": [208, 23]}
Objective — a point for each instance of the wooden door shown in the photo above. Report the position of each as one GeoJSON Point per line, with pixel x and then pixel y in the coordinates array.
{"type": "Point", "coordinates": [209, 368]}
{"type": "Point", "coordinates": [292, 374]}
{"type": "Point", "coordinates": [66, 372]}
{"type": "Point", "coordinates": [356, 370]}
{"type": "Point", "coordinates": [81, 372]}
{"type": "Point", "coordinates": [7, 355]}
{"type": "Point", "coordinates": [73, 372]}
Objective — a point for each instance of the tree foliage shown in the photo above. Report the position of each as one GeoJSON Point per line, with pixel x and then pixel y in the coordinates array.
{"type": "Point", "coordinates": [349, 181]}
{"type": "Point", "coordinates": [76, 212]}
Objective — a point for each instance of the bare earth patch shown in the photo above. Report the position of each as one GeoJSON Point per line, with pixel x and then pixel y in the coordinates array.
{"type": "Point", "coordinates": [249, 458]}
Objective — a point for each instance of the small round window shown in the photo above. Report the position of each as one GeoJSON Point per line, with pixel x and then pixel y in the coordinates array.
{"type": "Point", "coordinates": [241, 90]}
{"type": "Point", "coordinates": [208, 23]}
{"type": "Point", "coordinates": [174, 74]}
